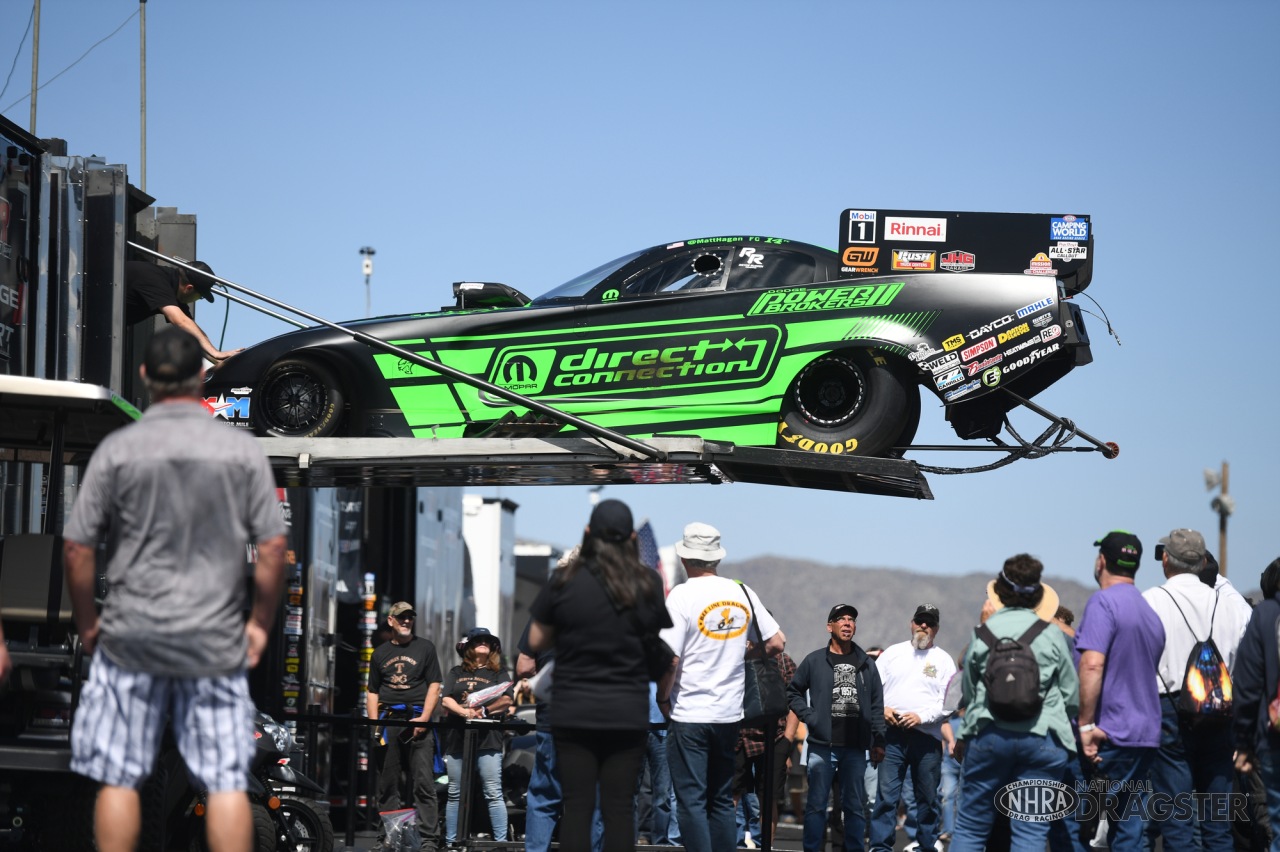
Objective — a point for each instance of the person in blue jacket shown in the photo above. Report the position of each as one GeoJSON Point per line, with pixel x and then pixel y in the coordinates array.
{"type": "Point", "coordinates": [836, 693]}
{"type": "Point", "coordinates": [1254, 683]}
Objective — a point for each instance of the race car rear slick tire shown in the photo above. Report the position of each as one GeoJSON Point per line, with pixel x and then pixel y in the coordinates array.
{"type": "Point", "coordinates": [908, 433]}
{"type": "Point", "coordinates": [298, 398]}
{"type": "Point", "coordinates": [854, 402]}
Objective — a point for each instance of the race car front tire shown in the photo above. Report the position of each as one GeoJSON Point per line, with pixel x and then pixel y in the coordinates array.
{"type": "Point", "coordinates": [855, 402]}
{"type": "Point", "coordinates": [298, 398]}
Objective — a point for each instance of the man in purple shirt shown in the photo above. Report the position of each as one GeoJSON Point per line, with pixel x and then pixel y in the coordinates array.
{"type": "Point", "coordinates": [1119, 703]}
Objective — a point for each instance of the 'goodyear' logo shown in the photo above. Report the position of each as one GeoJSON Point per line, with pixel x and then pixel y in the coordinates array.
{"type": "Point", "coordinates": [642, 361]}
{"type": "Point", "coordinates": [723, 620]}
{"type": "Point", "coordinates": [826, 298]}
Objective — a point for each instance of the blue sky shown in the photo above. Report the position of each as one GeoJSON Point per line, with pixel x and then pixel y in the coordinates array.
{"type": "Point", "coordinates": [526, 143]}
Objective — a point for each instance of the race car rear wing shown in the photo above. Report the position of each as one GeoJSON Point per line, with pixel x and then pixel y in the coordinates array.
{"type": "Point", "coordinates": [882, 242]}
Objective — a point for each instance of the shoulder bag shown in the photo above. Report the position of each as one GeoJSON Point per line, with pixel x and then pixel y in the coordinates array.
{"type": "Point", "coordinates": [765, 695]}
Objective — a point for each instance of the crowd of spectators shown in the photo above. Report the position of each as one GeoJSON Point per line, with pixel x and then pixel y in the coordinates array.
{"type": "Point", "coordinates": [1139, 743]}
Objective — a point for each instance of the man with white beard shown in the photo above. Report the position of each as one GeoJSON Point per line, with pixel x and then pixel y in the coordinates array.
{"type": "Point", "coordinates": [915, 675]}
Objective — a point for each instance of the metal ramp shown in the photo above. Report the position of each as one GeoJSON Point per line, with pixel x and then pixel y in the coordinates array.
{"type": "Point", "coordinates": [375, 462]}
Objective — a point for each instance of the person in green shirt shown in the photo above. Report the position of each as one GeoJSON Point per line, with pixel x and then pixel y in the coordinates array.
{"type": "Point", "coordinates": [996, 752]}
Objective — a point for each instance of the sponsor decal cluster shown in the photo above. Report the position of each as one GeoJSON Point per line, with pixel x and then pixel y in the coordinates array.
{"type": "Point", "coordinates": [1042, 320]}
{"type": "Point", "coordinates": [1013, 333]}
{"type": "Point", "coordinates": [1050, 333]}
{"type": "Point", "coordinates": [825, 299]}
{"type": "Point", "coordinates": [1025, 344]}
{"type": "Point", "coordinates": [1069, 251]}
{"type": "Point", "coordinates": [914, 260]}
{"type": "Point", "coordinates": [978, 366]}
{"type": "Point", "coordinates": [1027, 310]}
{"type": "Point", "coordinates": [967, 388]}
{"type": "Point", "coordinates": [634, 362]}
{"type": "Point", "coordinates": [1068, 228]}
{"type": "Point", "coordinates": [955, 341]}
{"type": "Point", "coordinates": [1041, 265]}
{"type": "Point", "coordinates": [922, 352]}
{"type": "Point", "coordinates": [994, 325]}
{"type": "Point", "coordinates": [862, 226]}
{"type": "Point", "coordinates": [915, 228]}
{"type": "Point", "coordinates": [991, 377]}
{"type": "Point", "coordinates": [860, 259]}
{"type": "Point", "coordinates": [957, 261]}
{"type": "Point", "coordinates": [954, 377]}
{"type": "Point", "coordinates": [1031, 358]}
{"type": "Point", "coordinates": [951, 359]}
{"type": "Point", "coordinates": [977, 349]}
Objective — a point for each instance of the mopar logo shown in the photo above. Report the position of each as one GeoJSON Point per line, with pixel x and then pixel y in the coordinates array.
{"type": "Point", "coordinates": [519, 369]}
{"type": "Point", "coordinates": [1036, 800]}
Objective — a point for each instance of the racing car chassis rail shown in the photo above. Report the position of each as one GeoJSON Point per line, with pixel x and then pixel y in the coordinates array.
{"type": "Point", "coordinates": [589, 428]}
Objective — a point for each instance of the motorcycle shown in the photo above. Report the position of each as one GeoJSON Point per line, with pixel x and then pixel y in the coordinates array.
{"type": "Point", "coordinates": [286, 817]}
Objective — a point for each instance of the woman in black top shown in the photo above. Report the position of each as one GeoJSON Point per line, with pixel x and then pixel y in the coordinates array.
{"type": "Point", "coordinates": [481, 668]}
{"type": "Point", "coordinates": [594, 612]}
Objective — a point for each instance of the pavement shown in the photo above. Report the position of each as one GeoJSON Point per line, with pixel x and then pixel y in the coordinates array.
{"type": "Point", "coordinates": [788, 840]}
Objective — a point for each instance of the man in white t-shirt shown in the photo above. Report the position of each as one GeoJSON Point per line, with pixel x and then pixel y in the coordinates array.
{"type": "Point", "coordinates": [702, 698]}
{"type": "Point", "coordinates": [915, 675]}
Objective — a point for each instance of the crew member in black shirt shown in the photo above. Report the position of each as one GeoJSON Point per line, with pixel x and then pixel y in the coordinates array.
{"type": "Point", "coordinates": [404, 683]}
{"type": "Point", "coordinates": [167, 290]}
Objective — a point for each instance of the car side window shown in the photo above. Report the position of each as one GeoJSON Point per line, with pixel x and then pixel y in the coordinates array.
{"type": "Point", "coordinates": [768, 267]}
{"type": "Point", "coordinates": [703, 270]}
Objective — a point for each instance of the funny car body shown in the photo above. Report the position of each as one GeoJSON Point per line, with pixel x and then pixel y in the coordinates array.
{"type": "Point", "coordinates": [759, 341]}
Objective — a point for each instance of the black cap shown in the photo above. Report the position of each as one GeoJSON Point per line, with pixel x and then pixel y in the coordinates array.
{"type": "Point", "coordinates": [173, 355]}
{"type": "Point", "coordinates": [1121, 549]}
{"type": "Point", "coordinates": [611, 521]}
{"type": "Point", "coordinates": [926, 613]}
{"type": "Point", "coordinates": [204, 285]}
{"type": "Point", "coordinates": [842, 609]}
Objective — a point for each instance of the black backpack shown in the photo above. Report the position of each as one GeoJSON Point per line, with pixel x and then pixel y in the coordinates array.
{"type": "Point", "coordinates": [1013, 675]}
{"type": "Point", "coordinates": [1206, 683]}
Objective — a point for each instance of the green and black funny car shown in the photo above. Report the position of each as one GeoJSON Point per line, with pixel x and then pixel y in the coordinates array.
{"type": "Point", "coordinates": [755, 340]}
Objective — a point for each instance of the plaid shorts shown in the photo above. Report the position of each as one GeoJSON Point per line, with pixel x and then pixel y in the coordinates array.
{"type": "Point", "coordinates": [121, 719]}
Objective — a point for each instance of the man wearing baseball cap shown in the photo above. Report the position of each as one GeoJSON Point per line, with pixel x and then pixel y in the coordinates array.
{"type": "Point", "coordinates": [836, 692]}
{"type": "Point", "coordinates": [404, 684]}
{"type": "Point", "coordinates": [1120, 641]}
{"type": "Point", "coordinates": [154, 290]}
{"type": "Point", "coordinates": [1200, 761]}
{"type": "Point", "coordinates": [915, 675]}
{"type": "Point", "coordinates": [174, 498]}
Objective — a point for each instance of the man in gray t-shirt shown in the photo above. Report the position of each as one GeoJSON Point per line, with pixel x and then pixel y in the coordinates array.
{"type": "Point", "coordinates": [175, 498]}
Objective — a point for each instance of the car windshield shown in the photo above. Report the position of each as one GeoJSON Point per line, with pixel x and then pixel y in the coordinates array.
{"type": "Point", "coordinates": [582, 285]}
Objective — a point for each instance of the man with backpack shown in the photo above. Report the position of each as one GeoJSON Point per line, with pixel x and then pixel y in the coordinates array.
{"type": "Point", "coordinates": [1120, 641]}
{"type": "Point", "coordinates": [1195, 694]}
{"type": "Point", "coordinates": [1020, 694]}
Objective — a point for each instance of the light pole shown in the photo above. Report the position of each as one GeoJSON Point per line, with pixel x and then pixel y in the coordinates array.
{"type": "Point", "coordinates": [1224, 504]}
{"type": "Point", "coordinates": [367, 266]}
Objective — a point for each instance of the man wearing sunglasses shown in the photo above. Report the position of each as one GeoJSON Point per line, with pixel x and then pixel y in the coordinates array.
{"type": "Point", "coordinates": [914, 675]}
{"type": "Point", "coordinates": [404, 683]}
